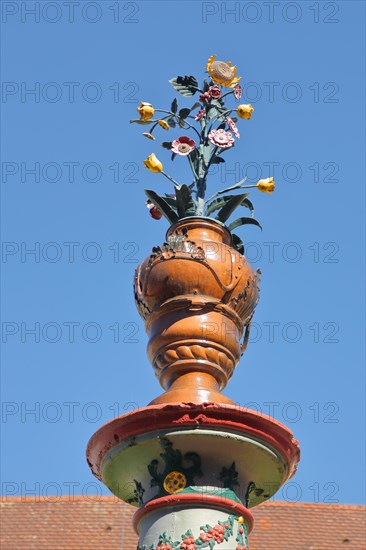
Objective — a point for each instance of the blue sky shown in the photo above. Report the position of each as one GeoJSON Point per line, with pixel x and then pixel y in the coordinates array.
{"type": "Point", "coordinates": [72, 191]}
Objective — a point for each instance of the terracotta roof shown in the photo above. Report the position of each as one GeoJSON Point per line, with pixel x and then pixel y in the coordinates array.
{"type": "Point", "coordinates": [79, 523]}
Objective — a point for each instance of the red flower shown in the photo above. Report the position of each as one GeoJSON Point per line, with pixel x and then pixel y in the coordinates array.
{"type": "Point", "coordinates": [215, 92]}
{"type": "Point", "coordinates": [183, 145]}
{"type": "Point", "coordinates": [217, 533]}
{"type": "Point", "coordinates": [164, 546]}
{"type": "Point", "coordinates": [205, 537]}
{"type": "Point", "coordinates": [188, 544]}
{"type": "Point", "coordinates": [154, 211]}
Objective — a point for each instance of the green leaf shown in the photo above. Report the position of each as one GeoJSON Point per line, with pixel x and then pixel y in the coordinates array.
{"type": "Point", "coordinates": [185, 85]}
{"type": "Point", "coordinates": [237, 243]}
{"type": "Point", "coordinates": [212, 112]}
{"type": "Point", "coordinates": [183, 113]}
{"type": "Point", "coordinates": [194, 155]}
{"type": "Point", "coordinates": [185, 202]}
{"type": "Point", "coordinates": [248, 204]}
{"type": "Point", "coordinates": [229, 207]}
{"type": "Point", "coordinates": [217, 160]}
{"type": "Point", "coordinates": [138, 121]}
{"type": "Point", "coordinates": [195, 106]}
{"type": "Point", "coordinates": [219, 203]}
{"type": "Point", "coordinates": [219, 107]}
{"type": "Point", "coordinates": [174, 106]}
{"type": "Point", "coordinates": [243, 221]}
{"type": "Point", "coordinates": [167, 144]}
{"type": "Point", "coordinates": [171, 122]}
{"type": "Point", "coordinates": [163, 206]}
{"type": "Point", "coordinates": [171, 201]}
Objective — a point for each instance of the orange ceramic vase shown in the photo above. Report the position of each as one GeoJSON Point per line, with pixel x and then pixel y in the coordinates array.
{"type": "Point", "coordinates": [197, 296]}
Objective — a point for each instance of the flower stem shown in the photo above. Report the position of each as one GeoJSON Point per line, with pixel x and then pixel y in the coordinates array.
{"type": "Point", "coordinates": [180, 118]}
{"type": "Point", "coordinates": [227, 93]}
{"type": "Point", "coordinates": [211, 159]}
{"type": "Point", "coordinates": [176, 184]}
{"type": "Point", "coordinates": [232, 188]}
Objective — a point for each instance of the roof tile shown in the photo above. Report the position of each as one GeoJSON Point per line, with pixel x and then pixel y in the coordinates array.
{"type": "Point", "coordinates": [86, 523]}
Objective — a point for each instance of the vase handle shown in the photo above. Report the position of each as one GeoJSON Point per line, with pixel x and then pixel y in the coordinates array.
{"type": "Point", "coordinates": [246, 336]}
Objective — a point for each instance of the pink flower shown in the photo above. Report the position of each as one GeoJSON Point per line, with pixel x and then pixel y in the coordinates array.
{"type": "Point", "coordinates": [221, 138]}
{"type": "Point", "coordinates": [183, 145]}
{"type": "Point", "coordinates": [205, 537]}
{"type": "Point", "coordinates": [205, 97]}
{"type": "Point", "coordinates": [238, 91]}
{"type": "Point", "coordinates": [233, 127]}
{"type": "Point", "coordinates": [200, 114]}
{"type": "Point", "coordinates": [164, 546]}
{"type": "Point", "coordinates": [154, 211]}
{"type": "Point", "coordinates": [214, 92]}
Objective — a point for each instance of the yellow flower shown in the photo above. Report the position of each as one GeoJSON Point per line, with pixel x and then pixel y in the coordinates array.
{"type": "Point", "coordinates": [266, 186]}
{"type": "Point", "coordinates": [245, 111]}
{"type": "Point", "coordinates": [145, 110]}
{"type": "Point", "coordinates": [240, 520]}
{"type": "Point", "coordinates": [221, 72]}
{"type": "Point", "coordinates": [150, 136]}
{"type": "Point", "coordinates": [163, 124]}
{"type": "Point", "coordinates": [153, 164]}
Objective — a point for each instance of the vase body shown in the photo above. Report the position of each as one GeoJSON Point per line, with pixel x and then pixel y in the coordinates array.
{"type": "Point", "coordinates": [197, 296]}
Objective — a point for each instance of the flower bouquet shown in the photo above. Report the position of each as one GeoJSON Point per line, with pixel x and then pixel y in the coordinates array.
{"type": "Point", "coordinates": [213, 131]}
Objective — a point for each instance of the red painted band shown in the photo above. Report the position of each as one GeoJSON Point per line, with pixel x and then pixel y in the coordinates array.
{"type": "Point", "coordinates": [195, 501]}
{"type": "Point", "coordinates": [185, 415]}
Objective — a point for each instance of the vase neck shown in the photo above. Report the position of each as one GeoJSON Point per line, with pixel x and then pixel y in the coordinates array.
{"type": "Point", "coordinates": [203, 229]}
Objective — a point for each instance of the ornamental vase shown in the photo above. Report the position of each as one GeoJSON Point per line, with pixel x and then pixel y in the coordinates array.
{"type": "Point", "coordinates": [197, 295]}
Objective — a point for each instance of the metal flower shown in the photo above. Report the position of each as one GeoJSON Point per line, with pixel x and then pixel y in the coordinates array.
{"type": "Point", "coordinates": [238, 91]}
{"type": "Point", "coordinates": [266, 185]}
{"type": "Point", "coordinates": [222, 73]}
{"type": "Point", "coordinates": [233, 127]}
{"type": "Point", "coordinates": [163, 124]}
{"type": "Point", "coordinates": [245, 111]}
{"type": "Point", "coordinates": [145, 110]}
{"type": "Point", "coordinates": [153, 164]}
{"type": "Point", "coordinates": [201, 113]}
{"type": "Point", "coordinates": [154, 211]}
{"type": "Point", "coordinates": [183, 145]}
{"type": "Point", "coordinates": [221, 138]}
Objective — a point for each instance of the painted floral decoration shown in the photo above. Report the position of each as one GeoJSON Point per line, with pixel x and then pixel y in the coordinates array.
{"type": "Point", "coordinates": [214, 129]}
{"type": "Point", "coordinates": [209, 537]}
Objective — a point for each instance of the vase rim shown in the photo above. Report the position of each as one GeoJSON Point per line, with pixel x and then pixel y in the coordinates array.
{"type": "Point", "coordinates": [199, 218]}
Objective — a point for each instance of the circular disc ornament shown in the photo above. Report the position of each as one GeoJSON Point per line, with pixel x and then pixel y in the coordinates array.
{"type": "Point", "coordinates": [174, 482]}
